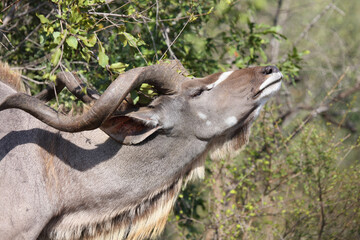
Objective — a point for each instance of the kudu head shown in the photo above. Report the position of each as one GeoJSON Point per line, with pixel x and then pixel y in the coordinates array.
{"type": "Point", "coordinates": [219, 104]}
{"type": "Point", "coordinates": [215, 107]}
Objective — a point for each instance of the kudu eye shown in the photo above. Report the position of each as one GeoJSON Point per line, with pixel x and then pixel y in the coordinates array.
{"type": "Point", "coordinates": [197, 91]}
{"type": "Point", "coordinates": [270, 69]}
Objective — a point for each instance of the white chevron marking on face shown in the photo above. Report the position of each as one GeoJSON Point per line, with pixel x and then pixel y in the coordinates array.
{"type": "Point", "coordinates": [221, 78]}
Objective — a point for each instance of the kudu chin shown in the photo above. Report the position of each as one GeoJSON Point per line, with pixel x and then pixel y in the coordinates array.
{"type": "Point", "coordinates": [116, 170]}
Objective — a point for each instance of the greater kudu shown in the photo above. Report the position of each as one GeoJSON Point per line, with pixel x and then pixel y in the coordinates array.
{"type": "Point", "coordinates": [63, 177]}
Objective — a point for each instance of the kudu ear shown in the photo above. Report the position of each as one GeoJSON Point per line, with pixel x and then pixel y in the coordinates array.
{"type": "Point", "coordinates": [132, 128]}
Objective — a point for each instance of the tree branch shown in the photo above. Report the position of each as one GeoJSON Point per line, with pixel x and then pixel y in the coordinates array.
{"type": "Point", "coordinates": [322, 107]}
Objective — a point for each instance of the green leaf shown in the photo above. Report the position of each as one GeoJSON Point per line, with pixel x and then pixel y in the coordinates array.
{"type": "Point", "coordinates": [135, 97]}
{"type": "Point", "coordinates": [90, 41]}
{"type": "Point", "coordinates": [131, 39]}
{"type": "Point", "coordinates": [52, 78]}
{"type": "Point", "coordinates": [121, 29]}
{"type": "Point", "coordinates": [74, 30]}
{"type": "Point", "coordinates": [101, 48]}
{"type": "Point", "coordinates": [42, 39]}
{"type": "Point", "coordinates": [144, 86]}
{"type": "Point", "coordinates": [46, 76]}
{"type": "Point", "coordinates": [57, 38]}
{"type": "Point", "coordinates": [50, 31]}
{"type": "Point", "coordinates": [103, 59]}
{"type": "Point", "coordinates": [42, 18]}
{"type": "Point", "coordinates": [118, 67]}
{"type": "Point", "coordinates": [133, 42]}
{"type": "Point", "coordinates": [192, 18]}
{"type": "Point", "coordinates": [210, 10]}
{"type": "Point", "coordinates": [72, 42]}
{"type": "Point", "coordinates": [56, 56]}
{"type": "Point", "coordinates": [85, 54]}
{"type": "Point", "coordinates": [251, 52]}
{"type": "Point", "coordinates": [262, 54]}
{"type": "Point", "coordinates": [131, 10]}
{"type": "Point", "coordinates": [56, 34]}
{"type": "Point", "coordinates": [75, 16]}
{"type": "Point", "coordinates": [123, 39]}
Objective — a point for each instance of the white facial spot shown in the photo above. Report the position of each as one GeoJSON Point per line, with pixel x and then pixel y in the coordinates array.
{"type": "Point", "coordinates": [221, 78]}
{"type": "Point", "coordinates": [231, 121]}
{"type": "Point", "coordinates": [208, 123]}
{"type": "Point", "coordinates": [202, 115]}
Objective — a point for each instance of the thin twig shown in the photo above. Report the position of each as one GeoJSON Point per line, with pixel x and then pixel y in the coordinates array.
{"type": "Point", "coordinates": [152, 39]}
{"type": "Point", "coordinates": [321, 108]}
{"type": "Point", "coordinates": [313, 22]}
{"type": "Point", "coordinates": [32, 80]}
{"type": "Point", "coordinates": [157, 16]}
{"type": "Point", "coordinates": [109, 26]}
{"type": "Point", "coordinates": [175, 38]}
{"type": "Point", "coordinates": [147, 9]}
{"type": "Point", "coordinates": [279, 20]}
{"type": "Point", "coordinates": [61, 45]}
{"type": "Point", "coordinates": [4, 46]}
{"type": "Point", "coordinates": [146, 18]}
{"type": "Point", "coordinates": [322, 211]}
{"type": "Point", "coordinates": [3, 34]}
{"type": "Point", "coordinates": [29, 68]}
{"type": "Point", "coordinates": [167, 41]}
{"type": "Point", "coordinates": [7, 19]}
{"type": "Point", "coordinates": [31, 10]}
{"type": "Point", "coordinates": [134, 44]}
{"type": "Point", "coordinates": [10, 5]}
{"type": "Point", "coordinates": [107, 15]}
{"type": "Point", "coordinates": [343, 124]}
{"type": "Point", "coordinates": [277, 14]}
{"type": "Point", "coordinates": [27, 37]}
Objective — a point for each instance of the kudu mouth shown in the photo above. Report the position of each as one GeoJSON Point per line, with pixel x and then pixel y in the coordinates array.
{"type": "Point", "coordinates": [271, 84]}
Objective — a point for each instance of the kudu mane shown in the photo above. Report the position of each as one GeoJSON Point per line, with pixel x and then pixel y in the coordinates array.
{"type": "Point", "coordinates": [145, 219]}
{"type": "Point", "coordinates": [11, 78]}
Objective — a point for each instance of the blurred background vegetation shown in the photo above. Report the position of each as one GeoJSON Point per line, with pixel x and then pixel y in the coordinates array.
{"type": "Point", "coordinates": [299, 176]}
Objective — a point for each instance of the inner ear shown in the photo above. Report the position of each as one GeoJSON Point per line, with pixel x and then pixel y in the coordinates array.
{"type": "Point", "coordinates": [147, 116]}
{"type": "Point", "coordinates": [132, 128]}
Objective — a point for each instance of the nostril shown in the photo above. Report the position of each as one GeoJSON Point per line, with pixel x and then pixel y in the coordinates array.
{"type": "Point", "coordinates": [270, 69]}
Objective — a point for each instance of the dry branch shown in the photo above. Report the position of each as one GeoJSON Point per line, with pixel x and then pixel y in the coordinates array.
{"type": "Point", "coordinates": [323, 107]}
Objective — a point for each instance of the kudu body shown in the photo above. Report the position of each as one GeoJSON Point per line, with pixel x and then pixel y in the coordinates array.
{"type": "Point", "coordinates": [79, 183]}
